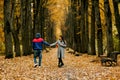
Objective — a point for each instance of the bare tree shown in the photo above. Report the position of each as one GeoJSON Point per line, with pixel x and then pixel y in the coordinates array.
{"type": "Point", "coordinates": [92, 34]}
{"type": "Point", "coordinates": [108, 27]}
{"type": "Point", "coordinates": [86, 26]}
{"type": "Point", "coordinates": [7, 29]}
{"type": "Point", "coordinates": [26, 24]}
{"type": "Point", "coordinates": [99, 28]}
{"type": "Point", "coordinates": [15, 28]}
{"type": "Point", "coordinates": [82, 25]}
{"type": "Point", "coordinates": [117, 18]}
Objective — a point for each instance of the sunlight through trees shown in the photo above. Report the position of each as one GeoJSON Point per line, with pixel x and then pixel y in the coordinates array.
{"type": "Point", "coordinates": [58, 11]}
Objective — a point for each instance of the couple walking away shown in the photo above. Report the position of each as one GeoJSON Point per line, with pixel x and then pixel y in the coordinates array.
{"type": "Point", "coordinates": [37, 47]}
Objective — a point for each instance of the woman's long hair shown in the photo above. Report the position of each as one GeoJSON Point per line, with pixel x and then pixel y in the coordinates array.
{"type": "Point", "coordinates": [62, 39]}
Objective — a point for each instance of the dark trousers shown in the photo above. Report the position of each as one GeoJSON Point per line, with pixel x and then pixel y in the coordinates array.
{"type": "Point", "coordinates": [38, 53]}
{"type": "Point", "coordinates": [60, 62]}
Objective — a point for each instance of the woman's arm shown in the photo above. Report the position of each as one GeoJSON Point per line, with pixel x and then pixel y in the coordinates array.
{"type": "Point", "coordinates": [61, 44]}
{"type": "Point", "coordinates": [53, 44]}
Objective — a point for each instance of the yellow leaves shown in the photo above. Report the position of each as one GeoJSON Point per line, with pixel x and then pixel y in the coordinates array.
{"type": "Point", "coordinates": [1, 27]}
{"type": "Point", "coordinates": [119, 8]}
{"type": "Point", "coordinates": [51, 3]}
{"type": "Point", "coordinates": [78, 33]}
{"type": "Point", "coordinates": [75, 68]}
{"type": "Point", "coordinates": [1, 10]}
{"type": "Point", "coordinates": [1, 40]}
{"type": "Point", "coordinates": [58, 10]}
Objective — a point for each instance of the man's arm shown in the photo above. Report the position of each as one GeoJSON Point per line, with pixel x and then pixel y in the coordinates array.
{"type": "Point", "coordinates": [46, 43]}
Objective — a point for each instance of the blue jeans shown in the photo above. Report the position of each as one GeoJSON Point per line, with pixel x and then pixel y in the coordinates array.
{"type": "Point", "coordinates": [38, 53]}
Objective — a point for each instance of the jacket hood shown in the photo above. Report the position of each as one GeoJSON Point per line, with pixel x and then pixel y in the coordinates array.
{"type": "Point", "coordinates": [37, 35]}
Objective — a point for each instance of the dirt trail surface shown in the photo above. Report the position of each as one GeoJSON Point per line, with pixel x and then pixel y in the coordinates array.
{"type": "Point", "coordinates": [75, 68]}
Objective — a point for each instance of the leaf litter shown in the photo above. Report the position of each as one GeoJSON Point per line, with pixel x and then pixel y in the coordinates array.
{"type": "Point", "coordinates": [75, 68]}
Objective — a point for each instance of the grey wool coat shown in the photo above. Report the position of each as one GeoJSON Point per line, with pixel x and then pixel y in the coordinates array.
{"type": "Point", "coordinates": [61, 48]}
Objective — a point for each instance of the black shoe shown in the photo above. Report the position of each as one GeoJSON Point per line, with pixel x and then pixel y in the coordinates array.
{"type": "Point", "coordinates": [59, 65]}
{"type": "Point", "coordinates": [62, 64]}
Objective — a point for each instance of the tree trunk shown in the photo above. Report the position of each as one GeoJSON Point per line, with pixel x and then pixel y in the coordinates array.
{"type": "Point", "coordinates": [16, 44]}
{"type": "Point", "coordinates": [117, 19]}
{"type": "Point", "coordinates": [15, 33]}
{"type": "Point", "coordinates": [15, 30]}
{"type": "Point", "coordinates": [108, 27]}
{"type": "Point", "coordinates": [36, 7]}
{"type": "Point", "coordinates": [48, 27]}
{"type": "Point", "coordinates": [99, 28]}
{"type": "Point", "coordinates": [7, 30]}
{"type": "Point", "coordinates": [29, 24]}
{"type": "Point", "coordinates": [25, 27]}
{"type": "Point", "coordinates": [41, 17]}
{"type": "Point", "coordinates": [92, 34]}
{"type": "Point", "coordinates": [82, 25]}
{"type": "Point", "coordinates": [86, 26]}
{"type": "Point", "coordinates": [69, 33]}
{"type": "Point", "coordinates": [75, 24]}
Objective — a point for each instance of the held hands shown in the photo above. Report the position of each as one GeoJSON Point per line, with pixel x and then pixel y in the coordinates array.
{"type": "Point", "coordinates": [51, 45]}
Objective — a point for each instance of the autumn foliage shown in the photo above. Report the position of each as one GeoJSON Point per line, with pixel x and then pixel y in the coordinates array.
{"type": "Point", "coordinates": [75, 68]}
{"type": "Point", "coordinates": [1, 28]}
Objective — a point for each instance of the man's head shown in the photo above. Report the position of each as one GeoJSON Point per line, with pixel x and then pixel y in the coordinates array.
{"type": "Point", "coordinates": [37, 35]}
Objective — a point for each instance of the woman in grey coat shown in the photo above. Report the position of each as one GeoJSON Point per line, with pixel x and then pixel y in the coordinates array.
{"type": "Point", "coordinates": [60, 53]}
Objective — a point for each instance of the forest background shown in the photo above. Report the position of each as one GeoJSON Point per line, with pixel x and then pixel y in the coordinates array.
{"type": "Point", "coordinates": [88, 26]}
